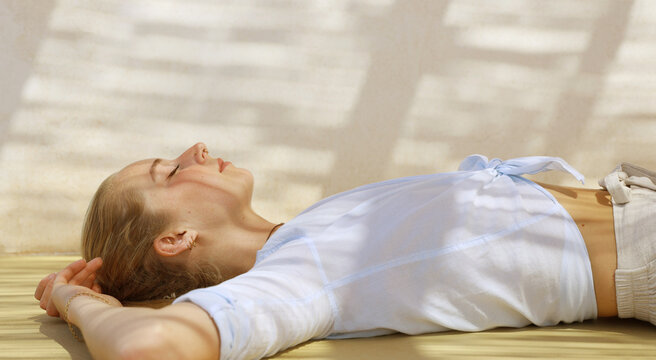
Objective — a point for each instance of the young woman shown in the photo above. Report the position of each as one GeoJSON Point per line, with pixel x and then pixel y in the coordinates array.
{"type": "Point", "coordinates": [470, 250]}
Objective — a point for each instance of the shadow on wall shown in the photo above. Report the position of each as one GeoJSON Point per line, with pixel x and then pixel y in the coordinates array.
{"type": "Point", "coordinates": [313, 97]}
{"type": "Point", "coordinates": [413, 42]}
{"type": "Point", "coordinates": [24, 24]}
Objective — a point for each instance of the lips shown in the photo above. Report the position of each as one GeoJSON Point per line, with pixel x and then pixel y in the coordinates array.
{"type": "Point", "coordinates": [223, 164]}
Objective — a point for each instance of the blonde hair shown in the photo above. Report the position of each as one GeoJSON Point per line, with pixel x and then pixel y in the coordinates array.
{"type": "Point", "coordinates": [120, 229]}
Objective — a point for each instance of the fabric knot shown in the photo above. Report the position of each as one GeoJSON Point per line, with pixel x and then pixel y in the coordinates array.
{"type": "Point", "coordinates": [623, 178]}
{"type": "Point", "coordinates": [519, 166]}
{"type": "Point", "coordinates": [614, 184]}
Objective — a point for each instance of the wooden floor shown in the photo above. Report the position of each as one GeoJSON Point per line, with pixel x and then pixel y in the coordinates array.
{"type": "Point", "coordinates": [27, 333]}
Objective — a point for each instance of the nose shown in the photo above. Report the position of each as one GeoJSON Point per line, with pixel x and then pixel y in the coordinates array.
{"type": "Point", "coordinates": [195, 154]}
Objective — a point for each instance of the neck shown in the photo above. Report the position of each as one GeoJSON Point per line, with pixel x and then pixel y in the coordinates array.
{"type": "Point", "coordinates": [233, 245]}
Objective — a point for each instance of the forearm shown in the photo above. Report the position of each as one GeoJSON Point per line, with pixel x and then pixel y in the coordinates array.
{"type": "Point", "coordinates": [182, 331]}
{"type": "Point", "coordinates": [108, 330]}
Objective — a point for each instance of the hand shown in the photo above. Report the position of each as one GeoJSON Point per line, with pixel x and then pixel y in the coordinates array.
{"type": "Point", "coordinates": [64, 287]}
{"type": "Point", "coordinates": [77, 273]}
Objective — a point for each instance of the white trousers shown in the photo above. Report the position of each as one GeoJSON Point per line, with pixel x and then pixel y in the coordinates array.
{"type": "Point", "coordinates": [633, 192]}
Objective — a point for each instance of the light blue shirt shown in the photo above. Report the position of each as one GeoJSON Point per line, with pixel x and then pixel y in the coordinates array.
{"type": "Point", "coordinates": [469, 250]}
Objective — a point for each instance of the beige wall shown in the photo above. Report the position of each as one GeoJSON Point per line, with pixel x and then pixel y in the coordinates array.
{"type": "Point", "coordinates": [314, 97]}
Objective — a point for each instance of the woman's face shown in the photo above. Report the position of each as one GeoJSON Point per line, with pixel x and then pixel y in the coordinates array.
{"type": "Point", "coordinates": [194, 188]}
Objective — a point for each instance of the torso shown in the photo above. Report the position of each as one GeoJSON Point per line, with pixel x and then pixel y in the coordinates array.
{"type": "Point", "coordinates": [592, 211]}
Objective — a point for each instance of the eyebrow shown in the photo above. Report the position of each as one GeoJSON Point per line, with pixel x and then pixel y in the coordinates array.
{"type": "Point", "coordinates": [152, 168]}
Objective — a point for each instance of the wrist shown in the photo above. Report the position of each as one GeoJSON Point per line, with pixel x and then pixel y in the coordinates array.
{"type": "Point", "coordinates": [72, 313]}
{"type": "Point", "coordinates": [83, 296]}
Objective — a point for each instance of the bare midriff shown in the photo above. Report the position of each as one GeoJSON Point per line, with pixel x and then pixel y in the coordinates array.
{"type": "Point", "coordinates": [592, 211]}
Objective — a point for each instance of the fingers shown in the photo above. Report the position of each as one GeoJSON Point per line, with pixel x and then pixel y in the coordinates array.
{"type": "Point", "coordinates": [88, 282]}
{"type": "Point", "coordinates": [62, 277]}
{"type": "Point", "coordinates": [42, 285]}
{"type": "Point", "coordinates": [45, 299]}
{"type": "Point", "coordinates": [96, 287]}
{"type": "Point", "coordinates": [87, 275]}
{"type": "Point", "coordinates": [51, 309]}
{"type": "Point", "coordinates": [95, 263]}
{"type": "Point", "coordinates": [70, 271]}
{"type": "Point", "coordinates": [79, 272]}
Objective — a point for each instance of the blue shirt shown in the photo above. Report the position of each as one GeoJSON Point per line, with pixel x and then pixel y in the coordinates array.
{"type": "Point", "coordinates": [469, 250]}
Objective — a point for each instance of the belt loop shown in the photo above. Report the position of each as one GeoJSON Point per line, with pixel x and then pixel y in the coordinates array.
{"type": "Point", "coordinates": [614, 183]}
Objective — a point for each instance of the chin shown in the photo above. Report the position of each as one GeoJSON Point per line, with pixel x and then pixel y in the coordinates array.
{"type": "Point", "coordinates": [247, 180]}
{"type": "Point", "coordinates": [247, 176]}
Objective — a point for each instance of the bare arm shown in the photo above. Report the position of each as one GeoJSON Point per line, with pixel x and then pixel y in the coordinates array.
{"type": "Point", "coordinates": [180, 331]}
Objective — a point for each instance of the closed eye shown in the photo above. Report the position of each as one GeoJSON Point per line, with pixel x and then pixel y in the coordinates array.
{"type": "Point", "coordinates": [173, 172]}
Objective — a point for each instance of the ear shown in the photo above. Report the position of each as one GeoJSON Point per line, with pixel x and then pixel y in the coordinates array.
{"type": "Point", "coordinates": [175, 242]}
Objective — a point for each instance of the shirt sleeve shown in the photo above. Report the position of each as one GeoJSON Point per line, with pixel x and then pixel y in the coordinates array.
{"type": "Point", "coordinates": [263, 312]}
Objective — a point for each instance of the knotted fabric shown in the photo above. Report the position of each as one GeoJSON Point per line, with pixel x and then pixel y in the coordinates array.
{"type": "Point", "coordinates": [519, 166]}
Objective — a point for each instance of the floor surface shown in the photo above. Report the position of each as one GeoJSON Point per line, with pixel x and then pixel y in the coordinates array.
{"type": "Point", "coordinates": [26, 332]}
